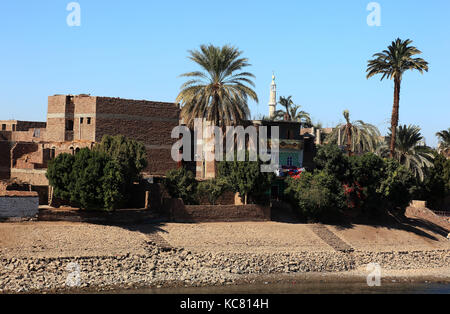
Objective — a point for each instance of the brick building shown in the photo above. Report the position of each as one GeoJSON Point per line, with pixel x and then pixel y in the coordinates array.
{"type": "Point", "coordinates": [75, 122]}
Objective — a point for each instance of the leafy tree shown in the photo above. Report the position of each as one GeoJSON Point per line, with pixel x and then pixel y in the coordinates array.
{"type": "Point", "coordinates": [181, 183]}
{"type": "Point", "coordinates": [245, 178]}
{"type": "Point", "coordinates": [89, 179]}
{"type": "Point", "coordinates": [330, 158]}
{"type": "Point", "coordinates": [357, 136]}
{"type": "Point", "coordinates": [408, 150]}
{"type": "Point", "coordinates": [395, 189]}
{"type": "Point", "coordinates": [392, 64]}
{"type": "Point", "coordinates": [130, 154]}
{"type": "Point", "coordinates": [219, 93]}
{"type": "Point", "coordinates": [318, 196]}
{"type": "Point", "coordinates": [59, 175]}
{"type": "Point", "coordinates": [213, 189]}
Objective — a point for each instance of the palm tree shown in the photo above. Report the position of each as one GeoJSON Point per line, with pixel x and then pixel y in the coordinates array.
{"type": "Point", "coordinates": [291, 112]}
{"type": "Point", "coordinates": [220, 91]}
{"type": "Point", "coordinates": [392, 63]}
{"type": "Point", "coordinates": [409, 151]}
{"type": "Point", "coordinates": [444, 140]}
{"type": "Point", "coordinates": [358, 136]}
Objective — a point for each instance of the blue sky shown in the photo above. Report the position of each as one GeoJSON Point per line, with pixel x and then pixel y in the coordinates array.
{"type": "Point", "coordinates": [137, 49]}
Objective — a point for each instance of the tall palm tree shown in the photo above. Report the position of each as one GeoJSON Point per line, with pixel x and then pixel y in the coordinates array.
{"type": "Point", "coordinates": [219, 92]}
{"type": "Point", "coordinates": [358, 136]}
{"type": "Point", "coordinates": [392, 64]}
{"type": "Point", "coordinates": [291, 112]}
{"type": "Point", "coordinates": [409, 151]}
{"type": "Point", "coordinates": [444, 140]}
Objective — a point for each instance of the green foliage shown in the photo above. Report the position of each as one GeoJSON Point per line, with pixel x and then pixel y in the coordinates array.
{"type": "Point", "coordinates": [246, 178]}
{"type": "Point", "coordinates": [181, 183]}
{"type": "Point", "coordinates": [129, 154]}
{"type": "Point", "coordinates": [395, 189]}
{"type": "Point", "coordinates": [213, 189]}
{"type": "Point", "coordinates": [436, 185]}
{"type": "Point", "coordinates": [318, 195]}
{"type": "Point", "coordinates": [220, 91]}
{"type": "Point", "coordinates": [91, 179]}
{"type": "Point", "coordinates": [331, 159]}
{"type": "Point", "coordinates": [59, 175]}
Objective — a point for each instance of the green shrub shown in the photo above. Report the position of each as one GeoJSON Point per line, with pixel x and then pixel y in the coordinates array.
{"type": "Point", "coordinates": [246, 178]}
{"type": "Point", "coordinates": [331, 159]}
{"type": "Point", "coordinates": [396, 187]}
{"type": "Point", "coordinates": [91, 180]}
{"type": "Point", "coordinates": [318, 196]}
{"type": "Point", "coordinates": [181, 183]}
{"type": "Point", "coordinates": [212, 189]}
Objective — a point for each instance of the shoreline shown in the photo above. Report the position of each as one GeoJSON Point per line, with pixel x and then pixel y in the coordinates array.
{"type": "Point", "coordinates": [178, 269]}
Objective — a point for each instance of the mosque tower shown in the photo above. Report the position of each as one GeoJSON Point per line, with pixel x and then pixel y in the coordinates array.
{"type": "Point", "coordinates": [273, 98]}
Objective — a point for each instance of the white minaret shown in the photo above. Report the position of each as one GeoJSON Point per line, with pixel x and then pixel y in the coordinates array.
{"type": "Point", "coordinates": [273, 98]}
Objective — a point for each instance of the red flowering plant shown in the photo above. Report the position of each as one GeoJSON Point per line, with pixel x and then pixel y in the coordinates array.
{"type": "Point", "coordinates": [354, 194]}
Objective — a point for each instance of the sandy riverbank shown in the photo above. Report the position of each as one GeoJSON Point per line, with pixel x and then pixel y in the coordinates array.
{"type": "Point", "coordinates": [35, 256]}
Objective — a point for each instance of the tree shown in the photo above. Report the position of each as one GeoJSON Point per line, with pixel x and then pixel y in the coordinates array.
{"type": "Point", "coordinates": [392, 64]}
{"type": "Point", "coordinates": [444, 140]}
{"type": "Point", "coordinates": [408, 150]}
{"type": "Point", "coordinates": [245, 178]}
{"type": "Point", "coordinates": [181, 183]}
{"type": "Point", "coordinates": [319, 196]}
{"type": "Point", "coordinates": [130, 155]}
{"type": "Point", "coordinates": [358, 136]}
{"type": "Point", "coordinates": [213, 189]}
{"type": "Point", "coordinates": [220, 92]}
{"type": "Point", "coordinates": [291, 112]}
{"type": "Point", "coordinates": [89, 179]}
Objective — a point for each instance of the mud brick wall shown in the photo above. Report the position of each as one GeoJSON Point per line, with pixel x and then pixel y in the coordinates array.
{"type": "Point", "coordinates": [5, 160]}
{"type": "Point", "coordinates": [148, 122]}
{"type": "Point", "coordinates": [178, 212]}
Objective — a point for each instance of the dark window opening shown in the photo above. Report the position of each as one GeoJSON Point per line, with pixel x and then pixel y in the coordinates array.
{"type": "Point", "coordinates": [81, 120]}
{"type": "Point", "coordinates": [3, 127]}
{"type": "Point", "coordinates": [52, 153]}
{"type": "Point", "coordinates": [88, 120]}
{"type": "Point", "coordinates": [69, 125]}
{"type": "Point", "coordinates": [13, 127]}
{"type": "Point", "coordinates": [77, 150]}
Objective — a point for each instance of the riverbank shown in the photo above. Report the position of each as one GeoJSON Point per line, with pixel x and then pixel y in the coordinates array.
{"type": "Point", "coordinates": [79, 257]}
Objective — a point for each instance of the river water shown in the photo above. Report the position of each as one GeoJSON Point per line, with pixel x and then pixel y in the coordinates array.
{"type": "Point", "coordinates": [305, 288]}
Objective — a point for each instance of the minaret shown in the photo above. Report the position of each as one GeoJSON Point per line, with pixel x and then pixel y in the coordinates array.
{"type": "Point", "coordinates": [273, 98]}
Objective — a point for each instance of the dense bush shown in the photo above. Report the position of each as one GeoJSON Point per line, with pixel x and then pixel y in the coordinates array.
{"type": "Point", "coordinates": [318, 195]}
{"type": "Point", "coordinates": [362, 184]}
{"type": "Point", "coordinates": [90, 179]}
{"type": "Point", "coordinates": [246, 178]}
{"type": "Point", "coordinates": [130, 156]}
{"type": "Point", "coordinates": [436, 185]}
{"type": "Point", "coordinates": [181, 183]}
{"type": "Point", "coordinates": [212, 189]}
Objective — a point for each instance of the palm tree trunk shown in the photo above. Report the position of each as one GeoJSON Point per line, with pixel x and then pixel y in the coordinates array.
{"type": "Point", "coordinates": [395, 116]}
{"type": "Point", "coordinates": [349, 140]}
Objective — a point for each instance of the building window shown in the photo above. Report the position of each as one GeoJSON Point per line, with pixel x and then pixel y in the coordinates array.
{"type": "Point", "coordinates": [37, 133]}
{"type": "Point", "coordinates": [3, 127]}
{"type": "Point", "coordinates": [290, 161]}
{"type": "Point", "coordinates": [88, 120]}
{"type": "Point", "coordinates": [13, 127]}
{"type": "Point", "coordinates": [69, 125]}
{"type": "Point", "coordinates": [52, 153]}
{"type": "Point", "coordinates": [290, 135]}
{"type": "Point", "coordinates": [81, 120]}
